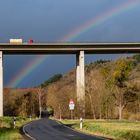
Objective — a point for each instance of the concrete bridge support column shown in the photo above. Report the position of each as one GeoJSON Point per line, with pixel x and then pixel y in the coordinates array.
{"type": "Point", "coordinates": [1, 84]}
{"type": "Point", "coordinates": [80, 83]}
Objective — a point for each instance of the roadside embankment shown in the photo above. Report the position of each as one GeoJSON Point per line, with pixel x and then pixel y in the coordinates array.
{"type": "Point", "coordinates": [7, 130]}
{"type": "Point", "coordinates": [117, 130]}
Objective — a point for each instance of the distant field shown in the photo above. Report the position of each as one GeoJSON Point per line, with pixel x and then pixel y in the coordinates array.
{"type": "Point", "coordinates": [118, 130]}
{"type": "Point", "coordinates": [7, 132]}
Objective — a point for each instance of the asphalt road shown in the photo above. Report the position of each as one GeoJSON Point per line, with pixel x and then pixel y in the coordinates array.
{"type": "Point", "coordinates": [46, 129]}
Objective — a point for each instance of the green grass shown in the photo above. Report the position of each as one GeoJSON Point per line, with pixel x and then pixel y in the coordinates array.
{"type": "Point", "coordinates": [7, 132]}
{"type": "Point", "coordinates": [10, 134]}
{"type": "Point", "coordinates": [119, 130]}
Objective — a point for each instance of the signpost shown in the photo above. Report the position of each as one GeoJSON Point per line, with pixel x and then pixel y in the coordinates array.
{"type": "Point", "coordinates": [71, 107]}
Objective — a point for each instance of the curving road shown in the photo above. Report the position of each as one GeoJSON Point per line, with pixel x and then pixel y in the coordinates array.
{"type": "Point", "coordinates": [46, 129]}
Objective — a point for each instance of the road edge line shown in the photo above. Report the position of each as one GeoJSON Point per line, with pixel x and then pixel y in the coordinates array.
{"type": "Point", "coordinates": [26, 134]}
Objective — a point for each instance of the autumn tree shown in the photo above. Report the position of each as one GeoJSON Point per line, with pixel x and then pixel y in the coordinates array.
{"type": "Point", "coordinates": [112, 88]}
{"type": "Point", "coordinates": [117, 81]}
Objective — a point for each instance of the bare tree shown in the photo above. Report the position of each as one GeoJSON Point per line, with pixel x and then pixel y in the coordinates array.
{"type": "Point", "coordinates": [40, 92]}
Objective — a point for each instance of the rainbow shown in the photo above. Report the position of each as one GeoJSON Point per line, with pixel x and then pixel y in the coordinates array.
{"type": "Point", "coordinates": [96, 21]}
{"type": "Point", "coordinates": [26, 70]}
{"type": "Point", "coordinates": [92, 23]}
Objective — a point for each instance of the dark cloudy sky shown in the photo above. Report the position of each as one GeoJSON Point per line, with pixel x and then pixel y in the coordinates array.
{"type": "Point", "coordinates": [52, 20]}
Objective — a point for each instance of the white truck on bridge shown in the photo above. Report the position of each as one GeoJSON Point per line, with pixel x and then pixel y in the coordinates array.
{"type": "Point", "coordinates": [16, 41]}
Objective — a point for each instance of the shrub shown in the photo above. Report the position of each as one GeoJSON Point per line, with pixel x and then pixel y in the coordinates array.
{"type": "Point", "coordinates": [134, 117]}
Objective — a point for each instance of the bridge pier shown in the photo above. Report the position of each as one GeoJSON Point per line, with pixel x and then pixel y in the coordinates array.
{"type": "Point", "coordinates": [1, 84]}
{"type": "Point", "coordinates": [80, 83]}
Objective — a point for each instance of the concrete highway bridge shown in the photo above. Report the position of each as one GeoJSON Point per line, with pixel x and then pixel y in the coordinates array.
{"type": "Point", "coordinates": [79, 49]}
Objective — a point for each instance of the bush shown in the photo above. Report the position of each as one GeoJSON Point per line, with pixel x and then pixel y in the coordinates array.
{"type": "Point", "coordinates": [0, 122]}
{"type": "Point", "coordinates": [50, 111]}
{"type": "Point", "coordinates": [131, 135]}
{"type": "Point", "coordinates": [134, 117]}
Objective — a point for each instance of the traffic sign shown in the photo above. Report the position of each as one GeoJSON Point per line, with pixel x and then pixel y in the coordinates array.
{"type": "Point", "coordinates": [71, 105]}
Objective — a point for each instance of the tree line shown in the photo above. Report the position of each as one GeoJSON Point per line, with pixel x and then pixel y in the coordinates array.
{"type": "Point", "coordinates": [112, 92]}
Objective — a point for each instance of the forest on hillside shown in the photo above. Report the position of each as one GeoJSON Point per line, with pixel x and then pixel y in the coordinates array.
{"type": "Point", "coordinates": [112, 92]}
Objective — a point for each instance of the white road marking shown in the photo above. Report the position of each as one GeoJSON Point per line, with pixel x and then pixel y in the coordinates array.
{"type": "Point", "coordinates": [27, 133]}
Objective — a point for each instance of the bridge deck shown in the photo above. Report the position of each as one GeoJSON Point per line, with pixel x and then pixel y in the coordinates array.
{"type": "Point", "coordinates": [69, 48]}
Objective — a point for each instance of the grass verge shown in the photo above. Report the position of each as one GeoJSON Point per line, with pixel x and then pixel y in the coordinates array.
{"type": "Point", "coordinates": [7, 132]}
{"type": "Point", "coordinates": [118, 130]}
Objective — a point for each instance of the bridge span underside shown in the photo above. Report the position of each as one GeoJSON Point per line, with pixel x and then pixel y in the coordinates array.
{"type": "Point", "coordinates": [69, 48]}
{"type": "Point", "coordinates": [79, 49]}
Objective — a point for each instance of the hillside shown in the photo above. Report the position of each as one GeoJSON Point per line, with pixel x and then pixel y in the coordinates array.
{"type": "Point", "coordinates": [100, 102]}
{"type": "Point", "coordinates": [112, 87]}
